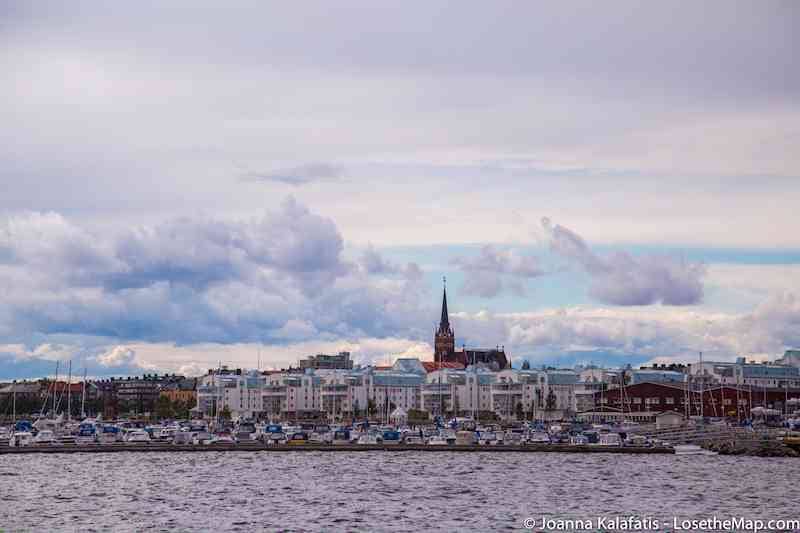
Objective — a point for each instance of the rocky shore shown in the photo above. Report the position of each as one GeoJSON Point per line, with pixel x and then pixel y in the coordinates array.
{"type": "Point", "coordinates": [756, 448]}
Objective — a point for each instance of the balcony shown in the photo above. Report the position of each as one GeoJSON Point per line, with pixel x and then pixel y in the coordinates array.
{"type": "Point", "coordinates": [507, 388]}
{"type": "Point", "coordinates": [334, 391]}
{"type": "Point", "coordinates": [435, 388]}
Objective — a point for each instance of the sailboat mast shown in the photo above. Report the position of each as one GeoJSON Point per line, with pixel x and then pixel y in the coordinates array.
{"type": "Point", "coordinates": [69, 392]}
{"type": "Point", "coordinates": [702, 382]}
{"type": "Point", "coordinates": [55, 384]}
{"type": "Point", "coordinates": [83, 394]}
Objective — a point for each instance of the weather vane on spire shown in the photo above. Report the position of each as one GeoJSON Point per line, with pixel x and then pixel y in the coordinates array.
{"type": "Point", "coordinates": [444, 281]}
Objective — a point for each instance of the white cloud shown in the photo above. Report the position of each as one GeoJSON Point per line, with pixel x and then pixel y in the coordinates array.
{"type": "Point", "coordinates": [117, 356]}
{"type": "Point", "coordinates": [45, 351]}
{"type": "Point", "coordinates": [198, 358]}
{"type": "Point", "coordinates": [653, 332]}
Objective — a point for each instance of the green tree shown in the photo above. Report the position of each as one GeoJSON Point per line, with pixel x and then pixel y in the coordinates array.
{"type": "Point", "coordinates": [164, 408]}
{"type": "Point", "coordinates": [225, 414]}
{"type": "Point", "coordinates": [551, 400]}
{"type": "Point", "coordinates": [181, 409]}
{"type": "Point", "coordinates": [418, 416]}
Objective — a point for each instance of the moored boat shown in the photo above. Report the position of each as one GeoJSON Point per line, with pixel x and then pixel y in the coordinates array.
{"type": "Point", "coordinates": [298, 438]}
{"type": "Point", "coordinates": [87, 434]}
{"type": "Point", "coordinates": [137, 436]}
{"type": "Point", "coordinates": [341, 436]}
{"type": "Point", "coordinates": [45, 437]}
{"type": "Point", "coordinates": [109, 434]}
{"type": "Point", "coordinates": [273, 434]}
{"type": "Point", "coordinates": [609, 439]}
{"type": "Point", "coordinates": [21, 438]}
{"type": "Point", "coordinates": [390, 436]}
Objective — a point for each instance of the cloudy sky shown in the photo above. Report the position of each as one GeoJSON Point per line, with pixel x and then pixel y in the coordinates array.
{"type": "Point", "coordinates": [195, 182]}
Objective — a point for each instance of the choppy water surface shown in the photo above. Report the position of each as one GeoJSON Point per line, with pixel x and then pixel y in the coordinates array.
{"type": "Point", "coordinates": [378, 491]}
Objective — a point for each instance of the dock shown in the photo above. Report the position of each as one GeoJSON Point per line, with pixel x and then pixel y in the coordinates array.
{"type": "Point", "coordinates": [259, 447]}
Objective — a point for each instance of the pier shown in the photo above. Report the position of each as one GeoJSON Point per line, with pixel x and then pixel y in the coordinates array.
{"type": "Point", "coordinates": [259, 447]}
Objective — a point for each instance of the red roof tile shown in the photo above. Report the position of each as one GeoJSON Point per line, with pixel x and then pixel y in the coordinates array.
{"type": "Point", "coordinates": [430, 366]}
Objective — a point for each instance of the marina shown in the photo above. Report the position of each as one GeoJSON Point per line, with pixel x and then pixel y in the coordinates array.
{"type": "Point", "coordinates": [257, 447]}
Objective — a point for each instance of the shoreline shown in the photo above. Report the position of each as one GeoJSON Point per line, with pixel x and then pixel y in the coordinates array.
{"type": "Point", "coordinates": [143, 448]}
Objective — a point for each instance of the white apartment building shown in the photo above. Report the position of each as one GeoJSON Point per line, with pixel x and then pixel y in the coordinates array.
{"type": "Point", "coordinates": [239, 391]}
{"type": "Point", "coordinates": [742, 373]}
{"type": "Point", "coordinates": [343, 393]}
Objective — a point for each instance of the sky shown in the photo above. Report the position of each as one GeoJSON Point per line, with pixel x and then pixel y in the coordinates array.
{"type": "Point", "coordinates": [195, 183]}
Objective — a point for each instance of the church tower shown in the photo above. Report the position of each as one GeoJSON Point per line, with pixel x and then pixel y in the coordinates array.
{"type": "Point", "coordinates": [444, 341]}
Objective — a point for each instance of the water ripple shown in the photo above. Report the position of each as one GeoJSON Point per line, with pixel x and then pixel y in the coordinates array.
{"type": "Point", "coordinates": [376, 491]}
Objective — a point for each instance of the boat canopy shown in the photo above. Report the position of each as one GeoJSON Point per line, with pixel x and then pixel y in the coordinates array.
{"type": "Point", "coordinates": [23, 426]}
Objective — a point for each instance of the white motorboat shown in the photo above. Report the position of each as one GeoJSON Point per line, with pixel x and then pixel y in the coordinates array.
{"type": "Point", "coordinates": [137, 436]}
{"type": "Point", "coordinates": [21, 438]}
{"type": "Point", "coordinates": [221, 438]}
{"type": "Point", "coordinates": [168, 434]}
{"type": "Point", "coordinates": [45, 437]}
{"type": "Point", "coordinates": [637, 440]}
{"type": "Point", "coordinates": [466, 438]}
{"type": "Point", "coordinates": [539, 437]}
{"type": "Point", "coordinates": [320, 438]}
{"type": "Point", "coordinates": [437, 440]}
{"type": "Point", "coordinates": [109, 434]}
{"type": "Point", "coordinates": [578, 440]}
{"type": "Point", "coordinates": [609, 439]}
{"type": "Point", "coordinates": [369, 438]}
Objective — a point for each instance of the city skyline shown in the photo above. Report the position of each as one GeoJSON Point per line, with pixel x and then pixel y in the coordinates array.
{"type": "Point", "coordinates": [603, 184]}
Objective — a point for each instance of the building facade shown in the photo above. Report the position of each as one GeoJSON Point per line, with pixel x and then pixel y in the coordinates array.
{"type": "Point", "coordinates": [322, 361]}
{"type": "Point", "coordinates": [741, 373]}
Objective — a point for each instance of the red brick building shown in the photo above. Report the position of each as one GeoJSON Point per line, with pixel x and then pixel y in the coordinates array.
{"type": "Point", "coordinates": [717, 400]}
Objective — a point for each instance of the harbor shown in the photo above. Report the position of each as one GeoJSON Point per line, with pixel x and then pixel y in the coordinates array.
{"type": "Point", "coordinates": [456, 435]}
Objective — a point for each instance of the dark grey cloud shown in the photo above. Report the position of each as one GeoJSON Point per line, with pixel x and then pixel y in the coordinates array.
{"type": "Point", "coordinates": [622, 279]}
{"type": "Point", "coordinates": [494, 270]}
{"type": "Point", "coordinates": [299, 175]}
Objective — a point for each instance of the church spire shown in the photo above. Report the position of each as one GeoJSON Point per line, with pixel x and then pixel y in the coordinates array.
{"type": "Point", "coordinates": [444, 340]}
{"type": "Point", "coordinates": [444, 323]}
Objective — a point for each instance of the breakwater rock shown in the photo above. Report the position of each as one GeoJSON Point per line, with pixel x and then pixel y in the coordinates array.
{"type": "Point", "coordinates": [756, 448]}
